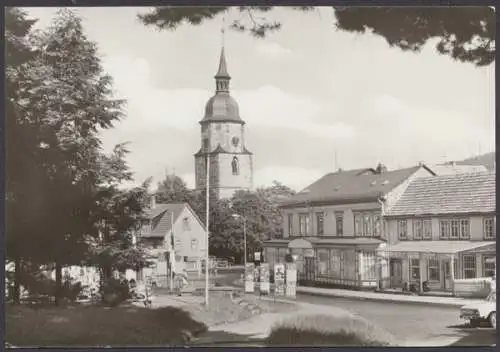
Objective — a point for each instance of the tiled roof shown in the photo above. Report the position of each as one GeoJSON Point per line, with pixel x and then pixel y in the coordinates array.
{"type": "Point", "coordinates": [453, 169]}
{"type": "Point", "coordinates": [351, 185]}
{"type": "Point", "coordinates": [449, 194]}
{"type": "Point", "coordinates": [162, 219]}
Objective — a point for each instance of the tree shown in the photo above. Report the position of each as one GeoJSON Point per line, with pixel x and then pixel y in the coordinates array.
{"type": "Point", "coordinates": [466, 33]}
{"type": "Point", "coordinates": [20, 142]}
{"type": "Point", "coordinates": [173, 189]}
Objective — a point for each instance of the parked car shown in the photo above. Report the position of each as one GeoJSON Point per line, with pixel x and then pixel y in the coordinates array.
{"type": "Point", "coordinates": [484, 310]}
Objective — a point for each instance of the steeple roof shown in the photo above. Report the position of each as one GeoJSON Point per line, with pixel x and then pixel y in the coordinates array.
{"type": "Point", "coordinates": [222, 72]}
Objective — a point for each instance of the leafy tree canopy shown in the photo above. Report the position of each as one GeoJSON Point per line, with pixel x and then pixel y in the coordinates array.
{"type": "Point", "coordinates": [465, 33]}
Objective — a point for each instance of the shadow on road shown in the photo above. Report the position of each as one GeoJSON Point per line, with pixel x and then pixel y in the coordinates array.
{"type": "Point", "coordinates": [482, 336]}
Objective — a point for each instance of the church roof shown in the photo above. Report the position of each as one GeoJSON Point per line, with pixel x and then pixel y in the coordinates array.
{"type": "Point", "coordinates": [222, 107]}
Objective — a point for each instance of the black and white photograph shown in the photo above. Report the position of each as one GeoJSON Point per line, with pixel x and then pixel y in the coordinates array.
{"type": "Point", "coordinates": [250, 176]}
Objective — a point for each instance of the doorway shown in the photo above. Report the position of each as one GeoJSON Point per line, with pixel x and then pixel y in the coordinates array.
{"type": "Point", "coordinates": [396, 272]}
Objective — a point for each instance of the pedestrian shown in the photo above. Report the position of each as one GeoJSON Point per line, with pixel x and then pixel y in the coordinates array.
{"type": "Point", "coordinates": [180, 282]}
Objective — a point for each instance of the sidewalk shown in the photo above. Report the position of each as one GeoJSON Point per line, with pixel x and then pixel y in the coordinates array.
{"type": "Point", "coordinates": [388, 297]}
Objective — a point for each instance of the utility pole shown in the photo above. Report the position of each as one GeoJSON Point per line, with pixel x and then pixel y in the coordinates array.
{"type": "Point", "coordinates": [207, 227]}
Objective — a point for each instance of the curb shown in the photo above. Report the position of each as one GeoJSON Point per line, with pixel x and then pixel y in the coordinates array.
{"type": "Point", "coordinates": [381, 299]}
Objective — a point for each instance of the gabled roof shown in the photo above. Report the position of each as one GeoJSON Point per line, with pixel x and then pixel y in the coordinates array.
{"type": "Point", "coordinates": [161, 218]}
{"type": "Point", "coordinates": [449, 194]}
{"type": "Point", "coordinates": [351, 186]}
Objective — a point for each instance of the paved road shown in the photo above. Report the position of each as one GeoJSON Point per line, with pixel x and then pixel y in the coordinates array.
{"type": "Point", "coordinates": [411, 324]}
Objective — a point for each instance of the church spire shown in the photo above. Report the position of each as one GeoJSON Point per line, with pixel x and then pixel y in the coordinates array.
{"type": "Point", "coordinates": [222, 77]}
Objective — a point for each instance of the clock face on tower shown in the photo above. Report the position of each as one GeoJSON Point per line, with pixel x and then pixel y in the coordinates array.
{"type": "Point", "coordinates": [235, 141]}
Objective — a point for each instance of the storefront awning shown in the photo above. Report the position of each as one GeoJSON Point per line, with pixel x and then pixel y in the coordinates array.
{"type": "Point", "coordinates": [438, 247]}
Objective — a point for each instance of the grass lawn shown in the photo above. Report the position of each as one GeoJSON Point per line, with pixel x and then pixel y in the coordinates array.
{"type": "Point", "coordinates": [98, 326]}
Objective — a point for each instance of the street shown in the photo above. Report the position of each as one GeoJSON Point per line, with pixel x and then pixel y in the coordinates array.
{"type": "Point", "coordinates": [411, 324]}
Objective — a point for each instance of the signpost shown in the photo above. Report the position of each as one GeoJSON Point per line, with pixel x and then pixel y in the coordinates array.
{"type": "Point", "coordinates": [279, 279]}
{"type": "Point", "coordinates": [264, 278]}
{"type": "Point", "coordinates": [249, 277]}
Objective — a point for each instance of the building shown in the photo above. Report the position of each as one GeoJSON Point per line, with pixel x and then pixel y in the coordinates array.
{"type": "Point", "coordinates": [223, 142]}
{"type": "Point", "coordinates": [441, 229]}
{"type": "Point", "coordinates": [334, 227]}
{"type": "Point", "coordinates": [172, 230]}
{"type": "Point", "coordinates": [452, 168]}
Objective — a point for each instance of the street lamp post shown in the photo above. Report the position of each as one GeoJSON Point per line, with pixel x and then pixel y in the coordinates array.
{"type": "Point", "coordinates": [238, 216]}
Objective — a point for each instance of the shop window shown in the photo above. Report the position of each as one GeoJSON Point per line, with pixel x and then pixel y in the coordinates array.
{"type": "Point", "coordinates": [369, 266]}
{"type": "Point", "coordinates": [489, 265]}
{"type": "Point", "coordinates": [469, 266]}
{"type": "Point", "coordinates": [414, 269]}
{"type": "Point", "coordinates": [433, 269]}
{"type": "Point", "coordinates": [402, 229]}
{"type": "Point", "coordinates": [323, 261]}
{"type": "Point", "coordinates": [335, 262]}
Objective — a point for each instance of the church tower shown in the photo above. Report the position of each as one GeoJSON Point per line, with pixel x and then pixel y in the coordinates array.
{"type": "Point", "coordinates": [223, 140]}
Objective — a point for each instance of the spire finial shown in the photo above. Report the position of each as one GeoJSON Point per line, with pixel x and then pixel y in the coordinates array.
{"type": "Point", "coordinates": [223, 30]}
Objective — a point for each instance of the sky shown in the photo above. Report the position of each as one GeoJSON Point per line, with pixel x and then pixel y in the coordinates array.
{"type": "Point", "coordinates": [314, 99]}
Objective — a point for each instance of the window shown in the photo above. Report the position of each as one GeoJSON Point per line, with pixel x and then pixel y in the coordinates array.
{"type": "Point", "coordinates": [455, 229]}
{"type": "Point", "coordinates": [358, 230]}
{"type": "Point", "coordinates": [320, 218]}
{"type": "Point", "coordinates": [402, 229]}
{"type": "Point", "coordinates": [185, 224]}
{"type": "Point", "coordinates": [335, 262]}
{"type": "Point", "coordinates": [444, 229]}
{"type": "Point", "coordinates": [235, 166]}
{"type": "Point", "coordinates": [489, 265]}
{"type": "Point", "coordinates": [339, 223]}
{"type": "Point", "coordinates": [290, 224]}
{"type": "Point", "coordinates": [376, 225]}
{"type": "Point", "coordinates": [427, 224]}
{"type": "Point", "coordinates": [303, 224]}
{"type": "Point", "coordinates": [367, 224]}
{"type": "Point", "coordinates": [369, 267]}
{"type": "Point", "coordinates": [323, 260]}
{"type": "Point", "coordinates": [469, 266]}
{"type": "Point", "coordinates": [194, 243]}
{"type": "Point", "coordinates": [433, 269]}
{"type": "Point", "coordinates": [414, 269]}
{"type": "Point", "coordinates": [464, 229]}
{"type": "Point", "coordinates": [489, 229]}
{"type": "Point", "coordinates": [417, 229]}
{"type": "Point", "coordinates": [205, 143]}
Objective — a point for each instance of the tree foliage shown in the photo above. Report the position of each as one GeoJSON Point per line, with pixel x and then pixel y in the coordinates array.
{"type": "Point", "coordinates": [60, 184]}
{"type": "Point", "coordinates": [465, 33]}
{"type": "Point", "coordinates": [259, 209]}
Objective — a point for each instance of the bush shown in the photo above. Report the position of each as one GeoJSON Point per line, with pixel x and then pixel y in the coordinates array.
{"type": "Point", "coordinates": [114, 292]}
{"type": "Point", "coordinates": [321, 329]}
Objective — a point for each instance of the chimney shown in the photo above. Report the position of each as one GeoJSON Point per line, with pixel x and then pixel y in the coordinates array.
{"type": "Point", "coordinates": [381, 168]}
{"type": "Point", "coordinates": [153, 202]}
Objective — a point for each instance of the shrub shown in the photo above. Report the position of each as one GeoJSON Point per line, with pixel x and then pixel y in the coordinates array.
{"type": "Point", "coordinates": [322, 329]}
{"type": "Point", "coordinates": [114, 292]}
